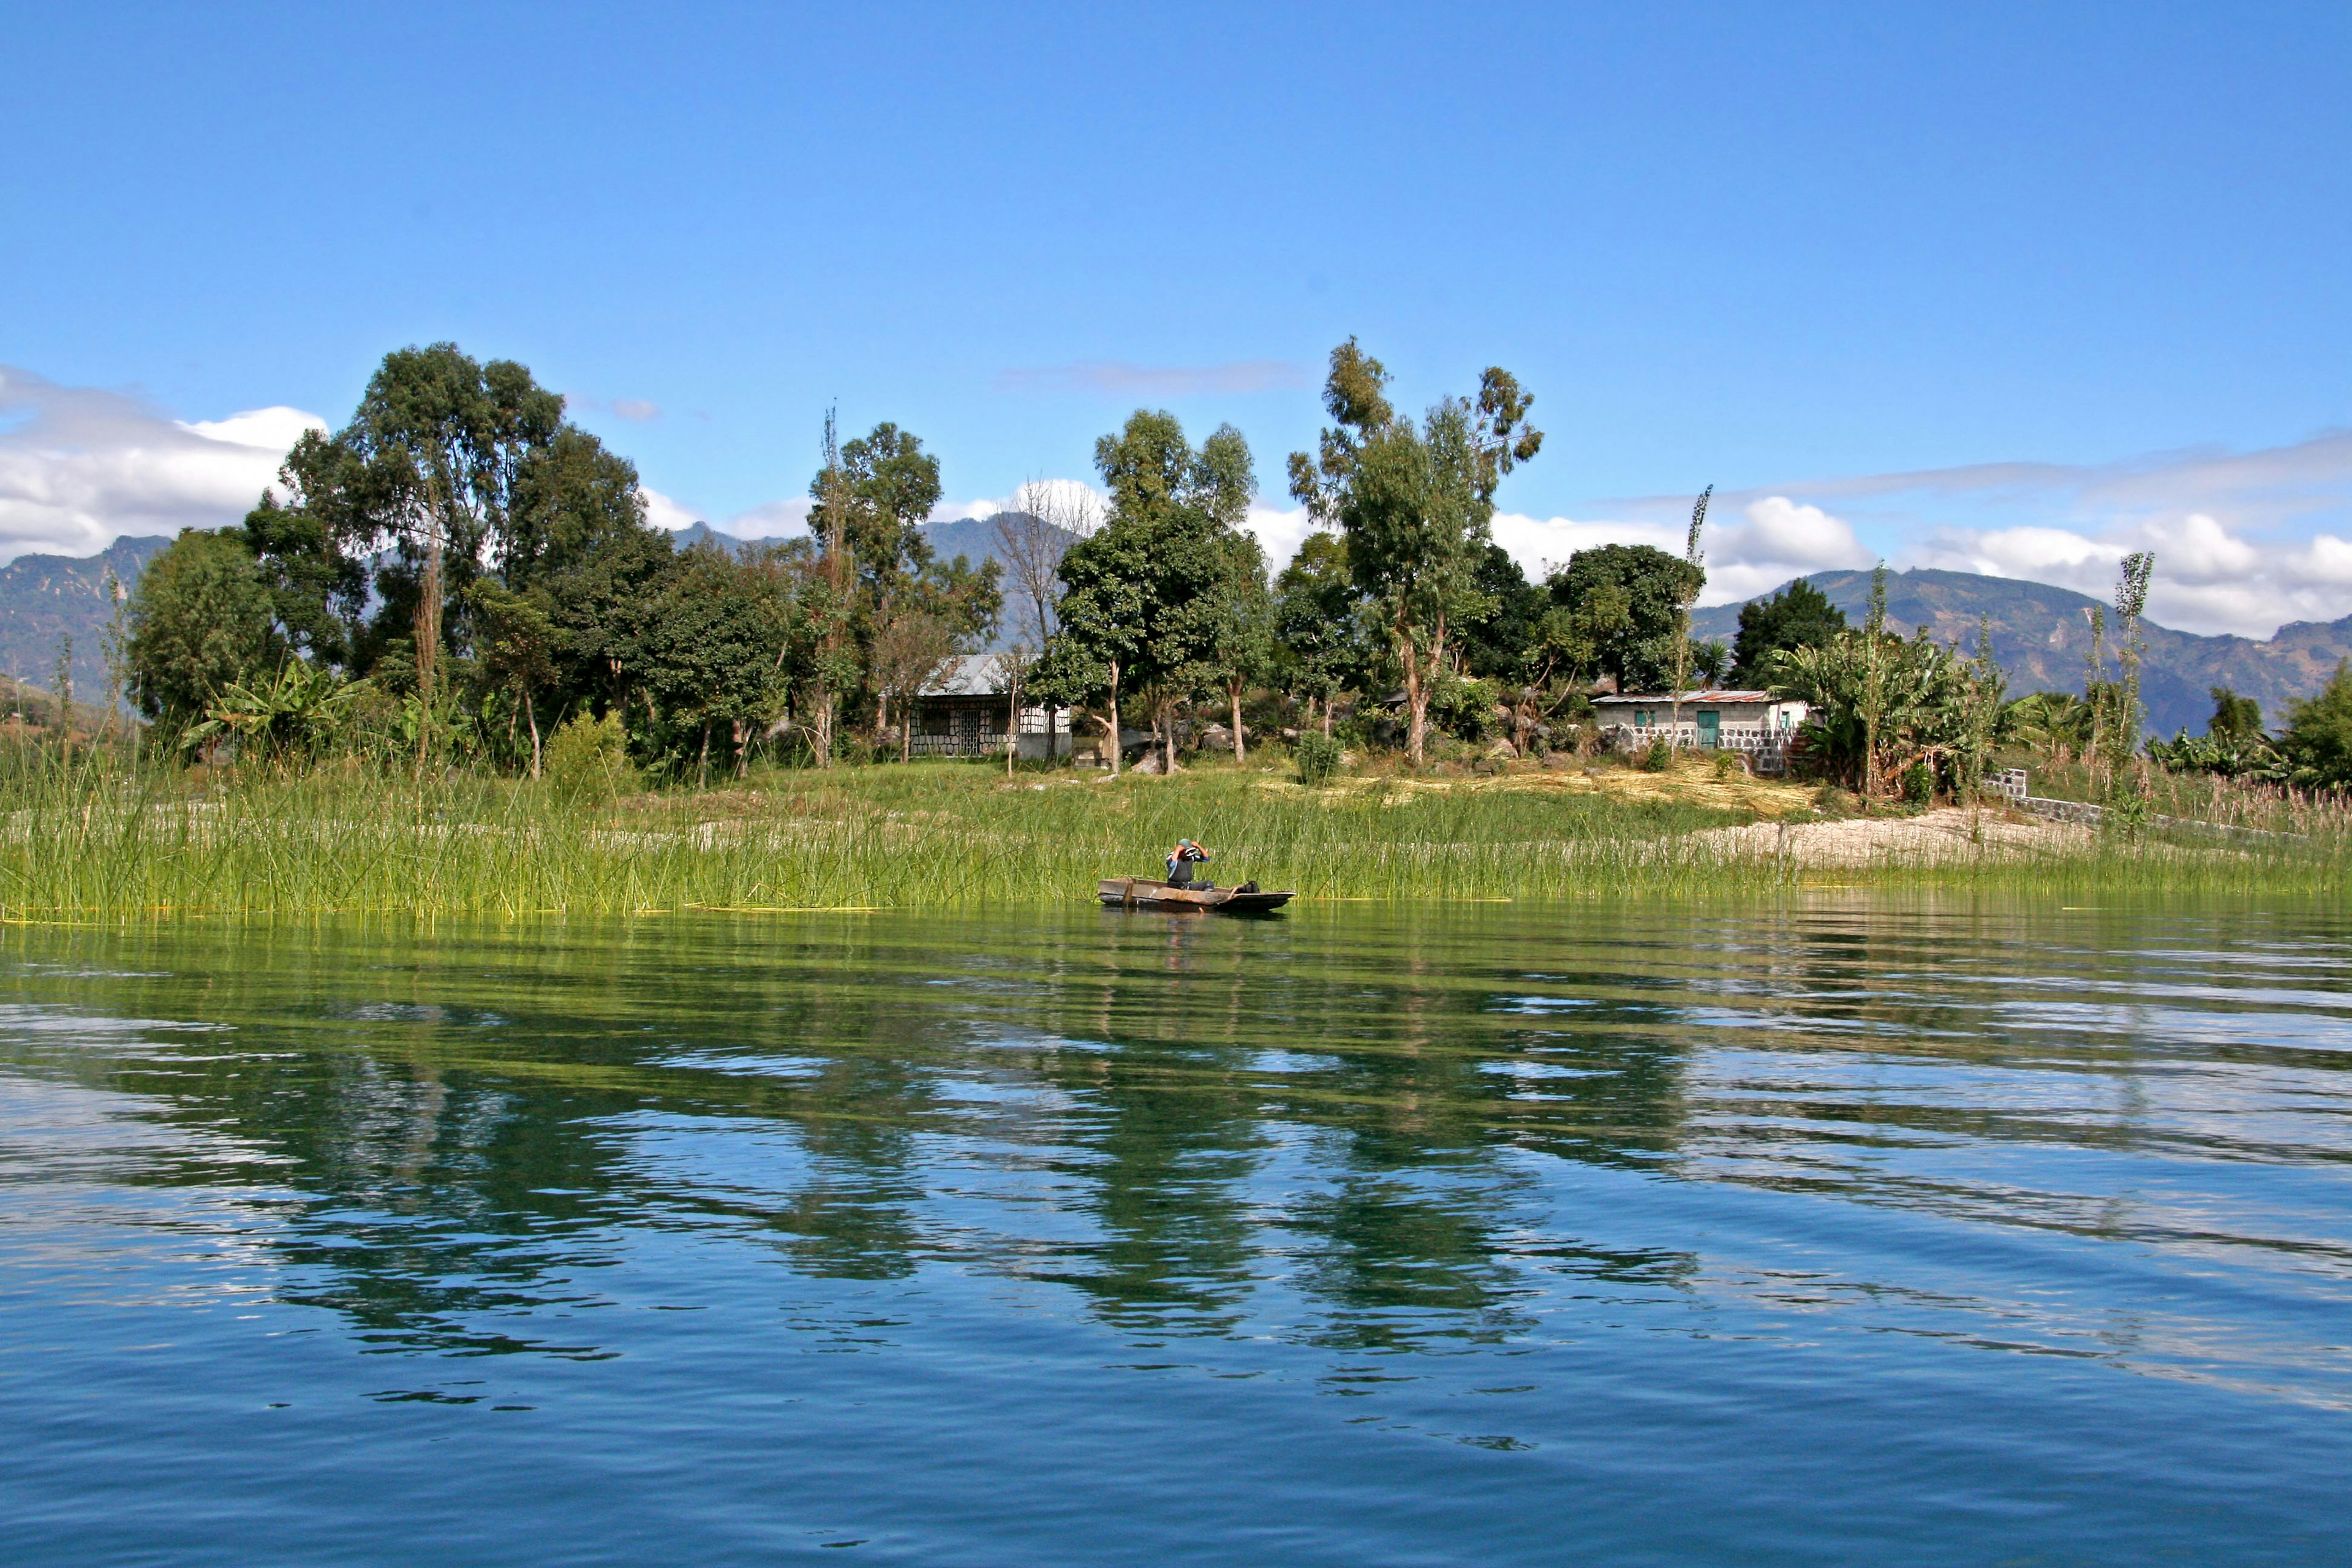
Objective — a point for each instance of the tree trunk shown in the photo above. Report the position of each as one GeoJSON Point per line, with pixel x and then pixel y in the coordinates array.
{"type": "Point", "coordinates": [1012, 725]}
{"type": "Point", "coordinates": [428, 646]}
{"type": "Point", "coordinates": [533, 716]}
{"type": "Point", "coordinates": [1167, 720]}
{"type": "Point", "coordinates": [743, 751]}
{"type": "Point", "coordinates": [1327, 716]}
{"type": "Point", "coordinates": [1114, 722]}
{"type": "Point", "coordinates": [1416, 701]}
{"type": "Point", "coordinates": [906, 732]}
{"type": "Point", "coordinates": [702, 767]}
{"type": "Point", "coordinates": [1240, 752]}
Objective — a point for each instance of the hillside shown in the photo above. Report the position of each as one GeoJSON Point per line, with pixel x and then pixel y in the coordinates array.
{"type": "Point", "coordinates": [2042, 637]}
{"type": "Point", "coordinates": [47, 598]}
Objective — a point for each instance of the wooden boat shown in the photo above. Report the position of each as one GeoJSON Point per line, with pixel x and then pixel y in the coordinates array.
{"type": "Point", "coordinates": [1136, 893]}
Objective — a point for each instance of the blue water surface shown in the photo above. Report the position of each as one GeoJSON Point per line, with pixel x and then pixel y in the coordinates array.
{"type": "Point", "coordinates": [1863, 1231]}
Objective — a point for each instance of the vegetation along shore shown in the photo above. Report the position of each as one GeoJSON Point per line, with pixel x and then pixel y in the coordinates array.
{"type": "Point", "coordinates": [446, 667]}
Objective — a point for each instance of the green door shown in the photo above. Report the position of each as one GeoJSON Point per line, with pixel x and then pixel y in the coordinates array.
{"type": "Point", "coordinates": [1711, 727]}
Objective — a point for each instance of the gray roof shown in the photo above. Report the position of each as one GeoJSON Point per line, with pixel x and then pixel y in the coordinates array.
{"type": "Point", "coordinates": [968, 675]}
{"type": "Point", "coordinates": [1692, 697]}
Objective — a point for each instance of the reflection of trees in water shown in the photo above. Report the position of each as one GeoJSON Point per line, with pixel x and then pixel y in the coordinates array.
{"type": "Point", "coordinates": [468, 1135]}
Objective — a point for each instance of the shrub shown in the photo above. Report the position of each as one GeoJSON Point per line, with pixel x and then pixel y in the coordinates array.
{"type": "Point", "coordinates": [1728, 765]}
{"type": "Point", "coordinates": [1918, 783]}
{"type": "Point", "coordinates": [1658, 758]}
{"type": "Point", "coordinates": [588, 759]}
{"type": "Point", "coordinates": [1318, 756]}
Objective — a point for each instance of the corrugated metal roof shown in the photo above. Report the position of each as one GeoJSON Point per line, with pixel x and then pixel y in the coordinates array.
{"type": "Point", "coordinates": [972, 675]}
{"type": "Point", "coordinates": [1690, 697]}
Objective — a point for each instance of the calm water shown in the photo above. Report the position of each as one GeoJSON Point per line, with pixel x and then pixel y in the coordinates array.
{"type": "Point", "coordinates": [1877, 1234]}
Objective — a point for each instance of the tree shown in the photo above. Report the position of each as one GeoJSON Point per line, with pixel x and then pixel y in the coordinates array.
{"type": "Point", "coordinates": [1032, 536]}
{"type": "Point", "coordinates": [317, 591]}
{"type": "Point", "coordinates": [712, 649]}
{"type": "Point", "coordinates": [2235, 717]}
{"type": "Point", "coordinates": [517, 641]}
{"type": "Point", "coordinates": [1626, 599]}
{"type": "Point", "coordinates": [910, 653]}
{"type": "Point", "coordinates": [1882, 703]}
{"type": "Point", "coordinates": [1416, 503]}
{"type": "Point", "coordinates": [1245, 626]}
{"type": "Point", "coordinates": [449, 470]}
{"type": "Point", "coordinates": [603, 603]}
{"type": "Point", "coordinates": [1318, 630]}
{"type": "Point", "coordinates": [1497, 637]}
{"type": "Point", "coordinates": [1165, 555]}
{"type": "Point", "coordinates": [1799, 615]}
{"type": "Point", "coordinates": [2317, 741]}
{"type": "Point", "coordinates": [2131, 599]}
{"type": "Point", "coordinates": [1696, 558]}
{"type": "Point", "coordinates": [1106, 579]}
{"type": "Point", "coordinates": [199, 621]}
{"type": "Point", "coordinates": [1873, 710]}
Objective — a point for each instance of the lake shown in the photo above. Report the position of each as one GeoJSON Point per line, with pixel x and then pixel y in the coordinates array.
{"type": "Point", "coordinates": [1870, 1230]}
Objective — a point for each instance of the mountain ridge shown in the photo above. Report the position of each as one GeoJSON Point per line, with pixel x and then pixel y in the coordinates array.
{"type": "Point", "coordinates": [2042, 637]}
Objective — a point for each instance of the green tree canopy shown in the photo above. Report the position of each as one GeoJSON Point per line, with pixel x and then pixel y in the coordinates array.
{"type": "Point", "coordinates": [2235, 717]}
{"type": "Point", "coordinates": [200, 620]}
{"type": "Point", "coordinates": [1799, 615]}
{"type": "Point", "coordinates": [449, 468]}
{"type": "Point", "coordinates": [2317, 741]}
{"type": "Point", "coordinates": [1499, 639]}
{"type": "Point", "coordinates": [1415, 502]}
{"type": "Point", "coordinates": [1641, 589]}
{"type": "Point", "coordinates": [1149, 600]}
{"type": "Point", "coordinates": [1320, 645]}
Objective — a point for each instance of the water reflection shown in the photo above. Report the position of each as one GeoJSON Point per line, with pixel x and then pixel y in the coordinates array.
{"type": "Point", "coordinates": [1358, 1133]}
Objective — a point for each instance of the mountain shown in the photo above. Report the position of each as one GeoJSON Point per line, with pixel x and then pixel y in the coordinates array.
{"type": "Point", "coordinates": [45, 599]}
{"type": "Point", "coordinates": [974, 538]}
{"type": "Point", "coordinates": [2042, 637]}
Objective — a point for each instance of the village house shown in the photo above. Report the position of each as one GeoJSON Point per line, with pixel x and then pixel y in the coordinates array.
{"type": "Point", "coordinates": [1756, 722]}
{"type": "Point", "coordinates": [962, 713]}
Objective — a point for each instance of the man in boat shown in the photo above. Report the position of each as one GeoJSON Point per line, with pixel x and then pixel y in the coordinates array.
{"type": "Point", "coordinates": [1180, 861]}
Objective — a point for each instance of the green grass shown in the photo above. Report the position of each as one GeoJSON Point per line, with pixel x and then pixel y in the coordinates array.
{"type": "Point", "coordinates": [87, 842]}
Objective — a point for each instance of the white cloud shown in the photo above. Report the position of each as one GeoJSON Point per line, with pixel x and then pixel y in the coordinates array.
{"type": "Point", "coordinates": [1775, 539]}
{"type": "Point", "coordinates": [1280, 532]}
{"type": "Point", "coordinates": [2208, 578]}
{"type": "Point", "coordinates": [664, 512]}
{"type": "Point", "coordinates": [81, 468]}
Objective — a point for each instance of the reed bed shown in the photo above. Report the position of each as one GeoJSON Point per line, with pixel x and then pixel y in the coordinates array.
{"type": "Point", "coordinates": [87, 842]}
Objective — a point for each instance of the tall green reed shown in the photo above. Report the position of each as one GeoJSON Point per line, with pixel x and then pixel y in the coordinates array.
{"type": "Point", "coordinates": [85, 839]}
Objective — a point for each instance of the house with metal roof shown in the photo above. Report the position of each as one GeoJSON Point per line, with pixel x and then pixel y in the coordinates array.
{"type": "Point", "coordinates": [1756, 722]}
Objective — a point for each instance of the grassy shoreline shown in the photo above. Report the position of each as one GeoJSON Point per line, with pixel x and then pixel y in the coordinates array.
{"type": "Point", "coordinates": [84, 844]}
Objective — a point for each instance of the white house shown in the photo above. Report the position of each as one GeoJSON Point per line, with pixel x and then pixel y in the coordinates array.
{"type": "Point", "coordinates": [1753, 722]}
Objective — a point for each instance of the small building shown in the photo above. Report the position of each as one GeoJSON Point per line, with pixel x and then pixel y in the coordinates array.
{"type": "Point", "coordinates": [1753, 722]}
{"type": "Point", "coordinates": [962, 714]}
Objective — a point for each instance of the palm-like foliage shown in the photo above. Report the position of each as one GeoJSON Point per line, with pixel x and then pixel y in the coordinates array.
{"type": "Point", "coordinates": [297, 715]}
{"type": "Point", "coordinates": [2232, 756]}
{"type": "Point", "coordinates": [1934, 707]}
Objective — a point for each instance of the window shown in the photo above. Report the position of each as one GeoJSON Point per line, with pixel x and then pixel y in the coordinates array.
{"type": "Point", "coordinates": [1641, 716]}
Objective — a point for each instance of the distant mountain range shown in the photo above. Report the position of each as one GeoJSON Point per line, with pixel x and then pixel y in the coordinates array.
{"type": "Point", "coordinates": [2038, 632]}
{"type": "Point", "coordinates": [44, 599]}
{"type": "Point", "coordinates": [2042, 637]}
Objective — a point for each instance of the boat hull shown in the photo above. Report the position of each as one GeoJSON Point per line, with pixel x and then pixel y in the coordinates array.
{"type": "Point", "coordinates": [1136, 893]}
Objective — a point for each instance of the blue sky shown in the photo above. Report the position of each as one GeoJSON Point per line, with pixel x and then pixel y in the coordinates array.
{"type": "Point", "coordinates": [2080, 266]}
